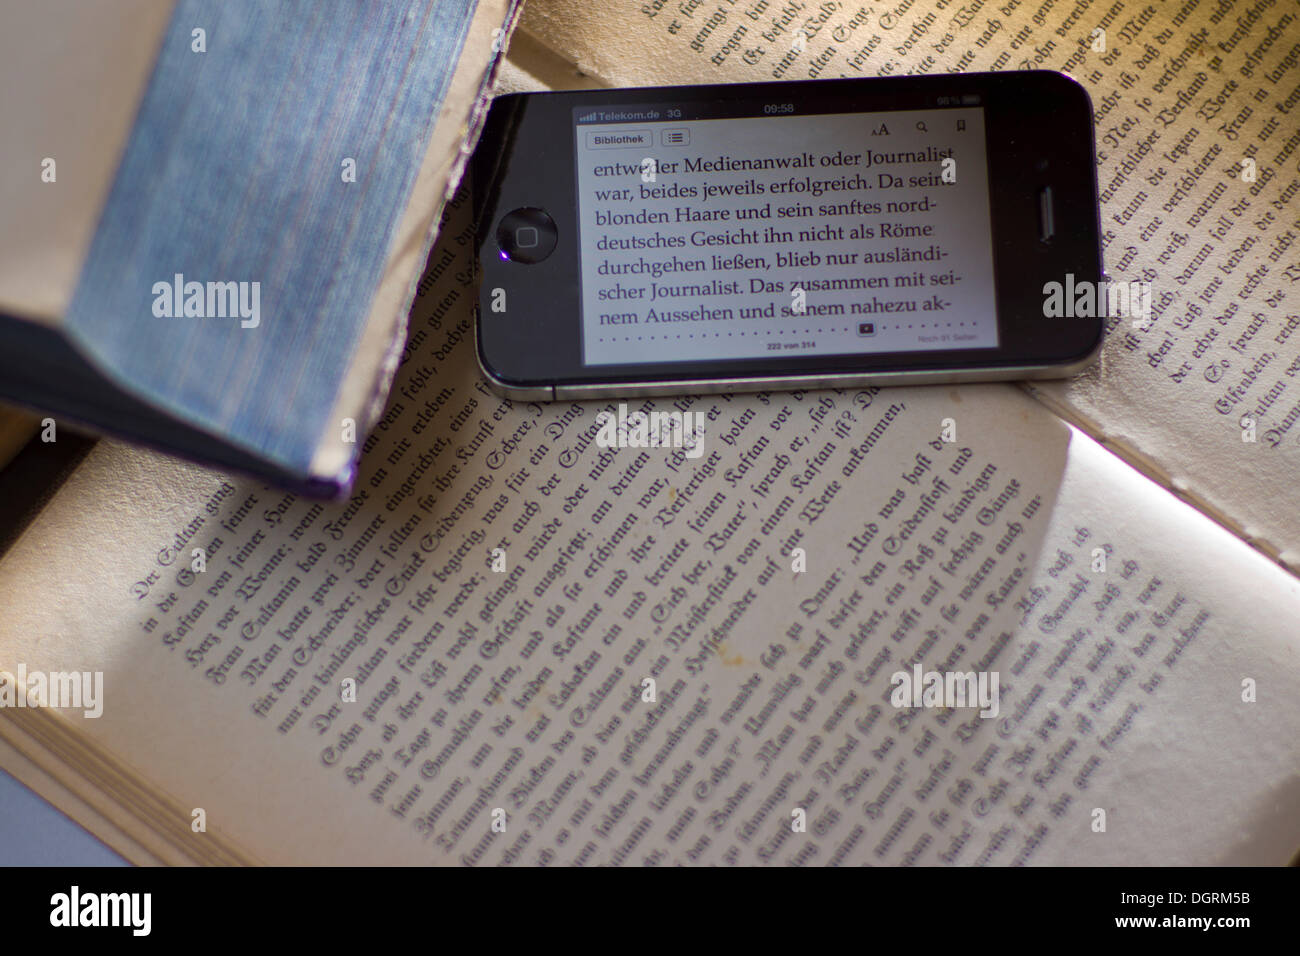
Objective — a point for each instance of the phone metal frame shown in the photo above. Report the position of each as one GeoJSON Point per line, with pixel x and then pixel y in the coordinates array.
{"type": "Point", "coordinates": [715, 386]}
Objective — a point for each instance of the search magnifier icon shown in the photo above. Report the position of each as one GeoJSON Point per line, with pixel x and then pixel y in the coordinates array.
{"type": "Point", "coordinates": [921, 127]}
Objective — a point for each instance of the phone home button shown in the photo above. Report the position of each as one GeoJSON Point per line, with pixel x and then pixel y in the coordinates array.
{"type": "Point", "coordinates": [526, 235]}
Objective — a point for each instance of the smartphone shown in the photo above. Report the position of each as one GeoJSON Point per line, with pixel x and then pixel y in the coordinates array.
{"type": "Point", "coordinates": [802, 234]}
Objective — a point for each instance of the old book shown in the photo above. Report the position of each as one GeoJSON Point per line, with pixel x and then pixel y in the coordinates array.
{"type": "Point", "coordinates": [512, 645]}
{"type": "Point", "coordinates": [203, 267]}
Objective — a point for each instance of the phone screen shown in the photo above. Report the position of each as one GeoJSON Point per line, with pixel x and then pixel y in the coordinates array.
{"type": "Point", "coordinates": [733, 231]}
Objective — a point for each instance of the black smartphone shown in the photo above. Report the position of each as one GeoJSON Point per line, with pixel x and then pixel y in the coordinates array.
{"type": "Point", "coordinates": [787, 235]}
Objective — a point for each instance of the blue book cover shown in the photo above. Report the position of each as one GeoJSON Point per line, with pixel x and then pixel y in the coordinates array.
{"type": "Point", "coordinates": [242, 293]}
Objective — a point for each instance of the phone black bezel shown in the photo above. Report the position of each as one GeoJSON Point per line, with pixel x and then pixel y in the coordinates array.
{"type": "Point", "coordinates": [1039, 133]}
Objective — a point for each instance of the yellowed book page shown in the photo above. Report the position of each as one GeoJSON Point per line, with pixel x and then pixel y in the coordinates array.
{"type": "Point", "coordinates": [1198, 141]}
{"type": "Point", "coordinates": [74, 75]}
{"type": "Point", "coordinates": [514, 645]}
{"type": "Point", "coordinates": [531, 66]}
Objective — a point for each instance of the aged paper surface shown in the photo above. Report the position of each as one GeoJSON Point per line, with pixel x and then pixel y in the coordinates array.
{"type": "Point", "coordinates": [1122, 624]}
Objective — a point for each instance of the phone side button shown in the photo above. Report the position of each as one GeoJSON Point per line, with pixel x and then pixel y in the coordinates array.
{"type": "Point", "coordinates": [1046, 216]}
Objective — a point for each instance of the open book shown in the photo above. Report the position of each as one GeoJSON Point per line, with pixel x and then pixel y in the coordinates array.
{"type": "Point", "coordinates": [514, 646]}
{"type": "Point", "coordinates": [215, 215]}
